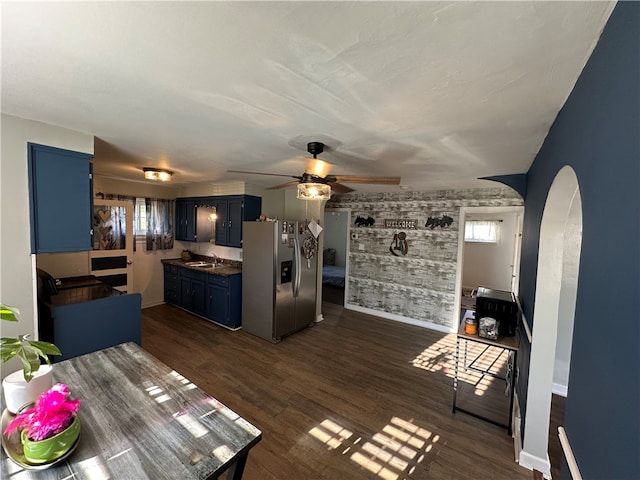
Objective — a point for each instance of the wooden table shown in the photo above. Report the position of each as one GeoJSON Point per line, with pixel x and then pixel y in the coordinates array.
{"type": "Point", "coordinates": [142, 420]}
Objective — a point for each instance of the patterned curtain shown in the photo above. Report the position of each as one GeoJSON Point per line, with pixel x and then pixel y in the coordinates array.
{"type": "Point", "coordinates": [160, 214]}
{"type": "Point", "coordinates": [123, 198]}
{"type": "Point", "coordinates": [159, 223]}
{"type": "Point", "coordinates": [109, 228]}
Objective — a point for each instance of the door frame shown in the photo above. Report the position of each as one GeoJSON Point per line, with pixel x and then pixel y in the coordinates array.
{"type": "Point", "coordinates": [346, 250]}
{"type": "Point", "coordinates": [127, 251]}
{"type": "Point", "coordinates": [464, 211]}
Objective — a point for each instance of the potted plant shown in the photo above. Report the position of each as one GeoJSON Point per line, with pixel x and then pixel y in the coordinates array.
{"type": "Point", "coordinates": [24, 387]}
{"type": "Point", "coordinates": [50, 428]}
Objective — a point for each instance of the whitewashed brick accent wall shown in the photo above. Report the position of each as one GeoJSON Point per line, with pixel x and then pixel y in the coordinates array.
{"type": "Point", "coordinates": [420, 285]}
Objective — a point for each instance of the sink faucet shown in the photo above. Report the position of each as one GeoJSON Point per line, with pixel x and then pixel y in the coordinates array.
{"type": "Point", "coordinates": [216, 259]}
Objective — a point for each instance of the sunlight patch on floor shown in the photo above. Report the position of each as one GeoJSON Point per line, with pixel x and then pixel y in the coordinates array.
{"type": "Point", "coordinates": [330, 433]}
{"type": "Point", "coordinates": [440, 357]}
{"type": "Point", "coordinates": [390, 454]}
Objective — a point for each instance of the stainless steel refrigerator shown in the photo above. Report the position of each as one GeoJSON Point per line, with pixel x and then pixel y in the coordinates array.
{"type": "Point", "coordinates": [279, 271]}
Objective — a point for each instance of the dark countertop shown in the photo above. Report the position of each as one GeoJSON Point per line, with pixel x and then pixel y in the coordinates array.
{"type": "Point", "coordinates": [83, 294]}
{"type": "Point", "coordinates": [226, 270]}
{"type": "Point", "coordinates": [74, 282]}
{"type": "Point", "coordinates": [81, 289]}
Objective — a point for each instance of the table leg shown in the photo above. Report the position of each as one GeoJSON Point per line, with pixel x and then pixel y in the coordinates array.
{"type": "Point", "coordinates": [455, 374]}
{"type": "Point", "coordinates": [236, 469]}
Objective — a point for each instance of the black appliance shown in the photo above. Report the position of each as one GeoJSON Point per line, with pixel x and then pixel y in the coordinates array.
{"type": "Point", "coordinates": [500, 305]}
{"type": "Point", "coordinates": [59, 292]}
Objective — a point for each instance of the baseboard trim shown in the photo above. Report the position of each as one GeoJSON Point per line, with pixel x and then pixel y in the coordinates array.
{"type": "Point", "coordinates": [559, 389]}
{"type": "Point", "coordinates": [400, 318]}
{"type": "Point", "coordinates": [517, 431]}
{"type": "Point", "coordinates": [532, 462]}
{"type": "Point", "coordinates": [154, 304]}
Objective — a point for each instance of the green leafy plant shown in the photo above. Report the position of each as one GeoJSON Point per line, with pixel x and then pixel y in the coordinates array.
{"type": "Point", "coordinates": [30, 352]}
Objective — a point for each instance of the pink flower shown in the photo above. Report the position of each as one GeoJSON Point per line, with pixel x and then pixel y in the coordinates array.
{"type": "Point", "coordinates": [51, 414]}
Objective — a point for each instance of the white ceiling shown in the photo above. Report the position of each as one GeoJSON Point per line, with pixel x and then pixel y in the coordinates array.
{"type": "Point", "coordinates": [439, 93]}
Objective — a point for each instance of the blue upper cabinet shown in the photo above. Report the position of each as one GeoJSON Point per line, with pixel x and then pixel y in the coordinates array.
{"type": "Point", "coordinates": [185, 223]}
{"type": "Point", "coordinates": [231, 211]}
{"type": "Point", "coordinates": [59, 199]}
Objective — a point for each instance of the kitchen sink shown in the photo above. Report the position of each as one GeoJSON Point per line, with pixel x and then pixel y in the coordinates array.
{"type": "Point", "coordinates": [200, 264]}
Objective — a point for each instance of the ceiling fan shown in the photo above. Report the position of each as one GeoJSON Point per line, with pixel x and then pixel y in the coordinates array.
{"type": "Point", "coordinates": [317, 185]}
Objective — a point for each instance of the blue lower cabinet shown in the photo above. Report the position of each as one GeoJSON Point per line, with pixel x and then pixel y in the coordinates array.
{"type": "Point", "coordinates": [85, 327]}
{"type": "Point", "coordinates": [192, 291]}
{"type": "Point", "coordinates": [171, 284]}
{"type": "Point", "coordinates": [225, 300]}
{"type": "Point", "coordinates": [214, 297]}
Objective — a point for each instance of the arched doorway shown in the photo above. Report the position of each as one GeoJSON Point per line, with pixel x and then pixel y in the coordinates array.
{"type": "Point", "coordinates": [554, 311]}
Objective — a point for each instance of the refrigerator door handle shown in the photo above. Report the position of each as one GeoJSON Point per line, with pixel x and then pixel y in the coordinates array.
{"type": "Point", "coordinates": [296, 266]}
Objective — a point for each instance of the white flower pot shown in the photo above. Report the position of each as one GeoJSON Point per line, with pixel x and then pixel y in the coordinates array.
{"type": "Point", "coordinates": [18, 393]}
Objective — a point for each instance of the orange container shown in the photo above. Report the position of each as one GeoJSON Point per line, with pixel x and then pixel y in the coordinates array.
{"type": "Point", "coordinates": [470, 326]}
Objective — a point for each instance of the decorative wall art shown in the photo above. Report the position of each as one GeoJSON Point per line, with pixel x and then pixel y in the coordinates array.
{"type": "Point", "coordinates": [399, 245]}
{"type": "Point", "coordinates": [364, 222]}
{"type": "Point", "coordinates": [408, 224]}
{"type": "Point", "coordinates": [444, 221]}
{"type": "Point", "coordinates": [309, 249]}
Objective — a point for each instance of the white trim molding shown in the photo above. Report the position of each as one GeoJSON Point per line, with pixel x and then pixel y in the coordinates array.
{"type": "Point", "coordinates": [559, 389]}
{"type": "Point", "coordinates": [532, 462]}
{"type": "Point", "coordinates": [400, 318]}
{"type": "Point", "coordinates": [568, 454]}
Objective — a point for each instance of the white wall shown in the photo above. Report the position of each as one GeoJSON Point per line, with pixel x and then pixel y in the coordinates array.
{"type": "Point", "coordinates": [17, 281]}
{"type": "Point", "coordinates": [61, 265]}
{"type": "Point", "coordinates": [491, 264]}
{"type": "Point", "coordinates": [135, 189]}
{"type": "Point", "coordinates": [207, 189]}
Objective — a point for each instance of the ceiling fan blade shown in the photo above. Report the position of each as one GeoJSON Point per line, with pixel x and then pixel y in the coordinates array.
{"type": "Point", "coordinates": [362, 179]}
{"type": "Point", "coordinates": [339, 188]}
{"type": "Point", "coordinates": [284, 185]}
{"type": "Point", "coordinates": [261, 173]}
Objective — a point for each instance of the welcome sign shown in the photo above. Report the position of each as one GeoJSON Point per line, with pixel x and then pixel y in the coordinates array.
{"type": "Point", "coordinates": [399, 223]}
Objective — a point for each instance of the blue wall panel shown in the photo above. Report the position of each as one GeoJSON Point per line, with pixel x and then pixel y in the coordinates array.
{"type": "Point", "coordinates": [597, 133]}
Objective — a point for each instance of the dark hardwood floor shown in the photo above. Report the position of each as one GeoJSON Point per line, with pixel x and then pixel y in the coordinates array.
{"type": "Point", "coordinates": [354, 397]}
{"type": "Point", "coordinates": [333, 294]}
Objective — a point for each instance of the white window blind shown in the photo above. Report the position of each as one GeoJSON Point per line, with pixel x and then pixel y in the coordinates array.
{"type": "Point", "coordinates": [484, 231]}
{"type": "Point", "coordinates": [140, 218]}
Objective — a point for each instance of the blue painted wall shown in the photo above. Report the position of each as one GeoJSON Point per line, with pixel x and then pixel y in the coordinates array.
{"type": "Point", "coordinates": [598, 134]}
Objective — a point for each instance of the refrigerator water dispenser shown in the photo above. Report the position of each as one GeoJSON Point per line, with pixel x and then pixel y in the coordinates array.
{"type": "Point", "coordinates": [285, 271]}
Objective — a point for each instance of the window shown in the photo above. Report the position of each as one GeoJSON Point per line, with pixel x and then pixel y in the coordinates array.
{"type": "Point", "coordinates": [140, 218]}
{"type": "Point", "coordinates": [484, 231]}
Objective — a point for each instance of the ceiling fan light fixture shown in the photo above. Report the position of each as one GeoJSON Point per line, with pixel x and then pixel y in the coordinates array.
{"type": "Point", "coordinates": [158, 174]}
{"type": "Point", "coordinates": [314, 191]}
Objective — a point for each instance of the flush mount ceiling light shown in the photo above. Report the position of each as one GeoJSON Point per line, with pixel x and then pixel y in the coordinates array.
{"type": "Point", "coordinates": [157, 174]}
{"type": "Point", "coordinates": [314, 191]}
